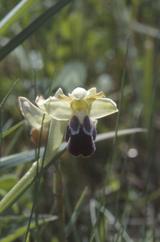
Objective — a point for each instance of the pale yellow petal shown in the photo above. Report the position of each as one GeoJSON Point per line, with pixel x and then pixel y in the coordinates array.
{"type": "Point", "coordinates": [102, 107]}
{"type": "Point", "coordinates": [93, 94]}
{"type": "Point", "coordinates": [92, 91]}
{"type": "Point", "coordinates": [55, 136]}
{"type": "Point", "coordinates": [33, 114]}
{"type": "Point", "coordinates": [58, 109]}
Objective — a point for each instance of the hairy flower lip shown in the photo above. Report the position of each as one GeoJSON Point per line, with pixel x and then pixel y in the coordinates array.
{"type": "Point", "coordinates": [81, 137]}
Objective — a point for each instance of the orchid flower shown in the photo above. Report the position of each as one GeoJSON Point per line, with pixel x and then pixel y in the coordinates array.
{"type": "Point", "coordinates": [80, 109]}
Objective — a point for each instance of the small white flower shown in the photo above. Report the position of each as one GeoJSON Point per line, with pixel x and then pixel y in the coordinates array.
{"type": "Point", "coordinates": [80, 109]}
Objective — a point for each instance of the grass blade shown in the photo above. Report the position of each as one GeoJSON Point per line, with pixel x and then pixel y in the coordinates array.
{"type": "Point", "coordinates": [20, 231]}
{"type": "Point", "coordinates": [8, 93]}
{"type": "Point", "coordinates": [112, 134]}
{"type": "Point", "coordinates": [76, 211]}
{"type": "Point", "coordinates": [14, 14]}
{"type": "Point", "coordinates": [94, 221]}
{"type": "Point", "coordinates": [17, 159]}
{"type": "Point", "coordinates": [30, 29]}
{"type": "Point", "coordinates": [19, 188]}
{"type": "Point", "coordinates": [48, 155]}
{"type": "Point", "coordinates": [28, 178]}
{"type": "Point", "coordinates": [28, 156]}
{"type": "Point", "coordinates": [112, 220]}
{"type": "Point", "coordinates": [9, 131]}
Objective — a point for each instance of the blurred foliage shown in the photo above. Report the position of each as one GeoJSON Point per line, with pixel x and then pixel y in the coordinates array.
{"type": "Point", "coordinates": [113, 45]}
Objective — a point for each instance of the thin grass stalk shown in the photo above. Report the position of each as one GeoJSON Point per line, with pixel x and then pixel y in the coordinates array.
{"type": "Point", "coordinates": [60, 203]}
{"type": "Point", "coordinates": [76, 211]}
{"type": "Point", "coordinates": [1, 112]}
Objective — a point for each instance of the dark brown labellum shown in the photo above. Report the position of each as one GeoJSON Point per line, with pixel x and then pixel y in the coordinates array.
{"type": "Point", "coordinates": [81, 137]}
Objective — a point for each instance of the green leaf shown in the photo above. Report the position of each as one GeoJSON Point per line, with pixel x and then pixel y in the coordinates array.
{"type": "Point", "coordinates": [28, 156]}
{"type": "Point", "coordinates": [30, 29]}
{"type": "Point", "coordinates": [53, 150]}
{"type": "Point", "coordinates": [20, 187]}
{"type": "Point", "coordinates": [112, 134]}
{"type": "Point", "coordinates": [18, 11]}
{"type": "Point", "coordinates": [9, 131]}
{"type": "Point", "coordinates": [18, 159]}
{"type": "Point", "coordinates": [49, 154]}
{"type": "Point", "coordinates": [21, 231]}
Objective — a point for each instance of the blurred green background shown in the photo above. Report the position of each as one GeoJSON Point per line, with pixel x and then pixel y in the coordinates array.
{"type": "Point", "coordinates": [113, 45]}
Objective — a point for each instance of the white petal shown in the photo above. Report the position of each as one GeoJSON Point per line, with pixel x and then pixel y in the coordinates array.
{"type": "Point", "coordinates": [59, 92]}
{"type": "Point", "coordinates": [33, 114]}
{"type": "Point", "coordinates": [102, 107]}
{"type": "Point", "coordinates": [58, 109]}
{"type": "Point", "coordinates": [39, 100]}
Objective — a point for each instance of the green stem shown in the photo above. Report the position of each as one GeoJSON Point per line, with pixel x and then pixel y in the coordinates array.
{"type": "Point", "coordinates": [21, 185]}
{"type": "Point", "coordinates": [60, 203]}
{"type": "Point", "coordinates": [55, 136]}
